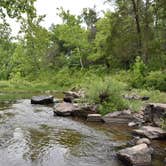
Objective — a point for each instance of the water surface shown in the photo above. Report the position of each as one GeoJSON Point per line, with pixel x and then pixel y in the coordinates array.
{"type": "Point", "coordinates": [31, 136]}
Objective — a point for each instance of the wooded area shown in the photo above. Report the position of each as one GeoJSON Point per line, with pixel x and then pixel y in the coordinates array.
{"type": "Point", "coordinates": [127, 44]}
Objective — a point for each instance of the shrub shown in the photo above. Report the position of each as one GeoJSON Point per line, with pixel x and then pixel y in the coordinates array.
{"type": "Point", "coordinates": [138, 73]}
{"type": "Point", "coordinates": [156, 80]}
{"type": "Point", "coordinates": [107, 93]}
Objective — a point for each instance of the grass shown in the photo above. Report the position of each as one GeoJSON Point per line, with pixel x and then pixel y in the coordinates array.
{"type": "Point", "coordinates": [96, 84]}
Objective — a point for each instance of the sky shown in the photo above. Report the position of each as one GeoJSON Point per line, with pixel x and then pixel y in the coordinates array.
{"type": "Point", "coordinates": [49, 7]}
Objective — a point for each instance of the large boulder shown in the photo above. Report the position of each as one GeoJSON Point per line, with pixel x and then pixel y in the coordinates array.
{"type": "Point", "coordinates": [64, 109]}
{"type": "Point", "coordinates": [154, 112]}
{"type": "Point", "coordinates": [151, 132]}
{"type": "Point", "coordinates": [139, 155]}
{"type": "Point", "coordinates": [70, 109]}
{"type": "Point", "coordinates": [118, 117]}
{"type": "Point", "coordinates": [42, 100]}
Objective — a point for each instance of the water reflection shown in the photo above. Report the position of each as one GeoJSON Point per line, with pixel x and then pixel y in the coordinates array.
{"type": "Point", "coordinates": [31, 136]}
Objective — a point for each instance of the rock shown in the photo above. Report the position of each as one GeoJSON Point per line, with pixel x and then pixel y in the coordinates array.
{"type": "Point", "coordinates": [94, 118]}
{"type": "Point", "coordinates": [58, 100]}
{"type": "Point", "coordinates": [68, 99]}
{"type": "Point", "coordinates": [154, 112]}
{"type": "Point", "coordinates": [42, 100]}
{"type": "Point", "coordinates": [69, 109]}
{"type": "Point", "coordinates": [64, 109]}
{"type": "Point", "coordinates": [143, 140]}
{"type": "Point", "coordinates": [132, 124]}
{"type": "Point", "coordinates": [139, 117]}
{"type": "Point", "coordinates": [165, 160]}
{"type": "Point", "coordinates": [136, 97]}
{"type": "Point", "coordinates": [139, 155]}
{"type": "Point", "coordinates": [118, 117]}
{"type": "Point", "coordinates": [84, 109]}
{"type": "Point", "coordinates": [132, 97]}
{"type": "Point", "coordinates": [151, 132]}
{"type": "Point", "coordinates": [144, 98]}
{"type": "Point", "coordinates": [133, 141]}
{"type": "Point", "coordinates": [71, 95]}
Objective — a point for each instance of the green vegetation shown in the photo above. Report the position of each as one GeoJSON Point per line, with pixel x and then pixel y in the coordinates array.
{"type": "Point", "coordinates": [122, 52]}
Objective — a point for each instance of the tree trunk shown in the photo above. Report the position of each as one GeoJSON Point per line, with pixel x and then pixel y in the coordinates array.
{"type": "Point", "coordinates": [138, 27]}
{"type": "Point", "coordinates": [146, 32]}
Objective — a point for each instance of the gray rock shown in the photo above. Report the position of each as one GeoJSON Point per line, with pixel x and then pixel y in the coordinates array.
{"type": "Point", "coordinates": [165, 160]}
{"type": "Point", "coordinates": [139, 155]}
{"type": "Point", "coordinates": [143, 140]}
{"type": "Point", "coordinates": [154, 112]}
{"type": "Point", "coordinates": [94, 118]}
{"type": "Point", "coordinates": [71, 95]}
{"type": "Point", "coordinates": [64, 109]}
{"type": "Point", "coordinates": [42, 100]}
{"type": "Point", "coordinates": [136, 97]}
{"type": "Point", "coordinates": [132, 124]}
{"type": "Point", "coordinates": [69, 109]}
{"type": "Point", "coordinates": [151, 132]}
{"type": "Point", "coordinates": [139, 116]}
{"type": "Point", "coordinates": [118, 117]}
{"type": "Point", "coordinates": [132, 97]}
{"type": "Point", "coordinates": [84, 109]}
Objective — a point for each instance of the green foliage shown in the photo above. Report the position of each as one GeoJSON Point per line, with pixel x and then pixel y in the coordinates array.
{"type": "Point", "coordinates": [107, 93]}
{"type": "Point", "coordinates": [138, 73]}
{"type": "Point", "coordinates": [156, 80]}
{"type": "Point", "coordinates": [163, 124]}
{"type": "Point", "coordinates": [14, 8]}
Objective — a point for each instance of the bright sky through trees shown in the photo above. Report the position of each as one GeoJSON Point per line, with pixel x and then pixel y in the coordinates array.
{"type": "Point", "coordinates": [49, 7]}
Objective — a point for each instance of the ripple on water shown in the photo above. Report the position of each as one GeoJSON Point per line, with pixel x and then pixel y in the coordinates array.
{"type": "Point", "coordinates": [31, 136]}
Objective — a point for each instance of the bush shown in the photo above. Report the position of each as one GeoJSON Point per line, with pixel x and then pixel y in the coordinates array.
{"type": "Point", "coordinates": [138, 72]}
{"type": "Point", "coordinates": [107, 93]}
{"type": "Point", "coordinates": [156, 80]}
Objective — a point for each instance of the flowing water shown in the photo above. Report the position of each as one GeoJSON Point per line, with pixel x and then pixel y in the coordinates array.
{"type": "Point", "coordinates": [31, 136]}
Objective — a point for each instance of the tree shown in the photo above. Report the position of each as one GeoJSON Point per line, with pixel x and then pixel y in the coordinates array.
{"type": "Point", "coordinates": [14, 8]}
{"type": "Point", "coordinates": [71, 39]}
{"type": "Point", "coordinates": [89, 17]}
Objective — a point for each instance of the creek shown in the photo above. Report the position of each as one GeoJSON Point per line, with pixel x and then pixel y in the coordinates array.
{"type": "Point", "coordinates": [31, 136]}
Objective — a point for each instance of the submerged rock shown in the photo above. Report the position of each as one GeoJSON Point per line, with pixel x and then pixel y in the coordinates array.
{"type": "Point", "coordinates": [94, 118]}
{"type": "Point", "coordinates": [42, 100]}
{"type": "Point", "coordinates": [154, 113]}
{"type": "Point", "coordinates": [151, 132]}
{"type": "Point", "coordinates": [139, 155]}
{"type": "Point", "coordinates": [118, 117]}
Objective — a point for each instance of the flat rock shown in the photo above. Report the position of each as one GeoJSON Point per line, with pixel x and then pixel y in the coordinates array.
{"type": "Point", "coordinates": [143, 140]}
{"type": "Point", "coordinates": [118, 117]}
{"type": "Point", "coordinates": [84, 109]}
{"type": "Point", "coordinates": [151, 132]}
{"type": "Point", "coordinates": [94, 118]}
{"type": "Point", "coordinates": [64, 109]}
{"type": "Point", "coordinates": [154, 113]}
{"type": "Point", "coordinates": [139, 155]}
{"type": "Point", "coordinates": [42, 100]}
